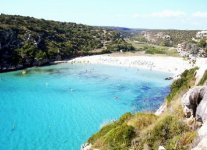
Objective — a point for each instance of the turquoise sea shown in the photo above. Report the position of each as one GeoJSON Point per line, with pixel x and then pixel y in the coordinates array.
{"type": "Point", "coordinates": [59, 107]}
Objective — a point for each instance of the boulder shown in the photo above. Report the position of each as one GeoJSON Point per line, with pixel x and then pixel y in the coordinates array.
{"type": "Point", "coordinates": [169, 78]}
{"type": "Point", "coordinates": [190, 101]}
{"type": "Point", "coordinates": [194, 103]}
{"type": "Point", "coordinates": [201, 111]}
{"type": "Point", "coordinates": [86, 146]}
{"type": "Point", "coordinates": [161, 148]}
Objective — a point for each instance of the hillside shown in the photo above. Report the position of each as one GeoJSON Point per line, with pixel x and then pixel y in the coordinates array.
{"type": "Point", "coordinates": [166, 37]}
{"type": "Point", "coordinates": [26, 41]}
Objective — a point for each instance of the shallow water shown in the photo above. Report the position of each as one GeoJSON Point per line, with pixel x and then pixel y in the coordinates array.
{"type": "Point", "coordinates": [59, 107]}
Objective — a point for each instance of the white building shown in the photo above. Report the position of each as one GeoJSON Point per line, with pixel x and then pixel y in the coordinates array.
{"type": "Point", "coordinates": [201, 34]}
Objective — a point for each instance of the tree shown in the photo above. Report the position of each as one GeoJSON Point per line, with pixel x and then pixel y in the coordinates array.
{"type": "Point", "coordinates": [203, 43]}
{"type": "Point", "coordinates": [40, 56]}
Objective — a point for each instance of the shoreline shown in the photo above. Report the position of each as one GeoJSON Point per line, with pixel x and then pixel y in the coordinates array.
{"type": "Point", "coordinates": [173, 65]}
{"type": "Point", "coordinates": [166, 64]}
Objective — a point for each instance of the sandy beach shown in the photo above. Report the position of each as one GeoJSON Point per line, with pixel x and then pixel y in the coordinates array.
{"type": "Point", "coordinates": [174, 65]}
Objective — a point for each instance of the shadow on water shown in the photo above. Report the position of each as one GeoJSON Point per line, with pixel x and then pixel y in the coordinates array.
{"type": "Point", "coordinates": [141, 102]}
{"type": "Point", "coordinates": [28, 72]}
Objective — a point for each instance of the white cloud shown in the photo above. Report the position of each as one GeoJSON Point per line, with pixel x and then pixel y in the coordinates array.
{"type": "Point", "coordinates": [200, 14]}
{"type": "Point", "coordinates": [168, 13]}
{"type": "Point", "coordinates": [161, 14]}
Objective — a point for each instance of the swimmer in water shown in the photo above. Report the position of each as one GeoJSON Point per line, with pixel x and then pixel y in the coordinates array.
{"type": "Point", "coordinates": [116, 97]}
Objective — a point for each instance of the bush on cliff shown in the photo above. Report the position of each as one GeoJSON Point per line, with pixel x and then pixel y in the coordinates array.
{"type": "Point", "coordinates": [163, 132]}
{"type": "Point", "coordinates": [117, 135]}
{"type": "Point", "coordinates": [182, 84]}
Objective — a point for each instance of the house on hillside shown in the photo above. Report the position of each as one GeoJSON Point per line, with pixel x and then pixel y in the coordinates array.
{"type": "Point", "coordinates": [201, 34]}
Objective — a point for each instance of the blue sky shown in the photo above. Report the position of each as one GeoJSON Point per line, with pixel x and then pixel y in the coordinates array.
{"type": "Point", "coordinates": [159, 14]}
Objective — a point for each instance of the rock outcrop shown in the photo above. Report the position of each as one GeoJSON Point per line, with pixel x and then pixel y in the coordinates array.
{"type": "Point", "coordinates": [201, 112]}
{"type": "Point", "coordinates": [195, 105]}
{"type": "Point", "coordinates": [86, 146]}
{"type": "Point", "coordinates": [202, 138]}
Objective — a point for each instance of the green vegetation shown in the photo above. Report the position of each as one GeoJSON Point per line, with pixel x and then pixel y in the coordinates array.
{"type": "Point", "coordinates": [203, 43]}
{"type": "Point", "coordinates": [147, 131]}
{"type": "Point", "coordinates": [182, 84]}
{"type": "Point", "coordinates": [142, 120]}
{"type": "Point", "coordinates": [139, 37]}
{"type": "Point", "coordinates": [166, 131]}
{"type": "Point", "coordinates": [142, 130]}
{"type": "Point", "coordinates": [120, 45]}
{"type": "Point", "coordinates": [154, 49]}
{"type": "Point", "coordinates": [26, 41]}
{"type": "Point", "coordinates": [117, 135]}
{"type": "Point", "coordinates": [158, 37]}
{"type": "Point", "coordinates": [179, 36]}
{"type": "Point", "coordinates": [159, 50]}
{"type": "Point", "coordinates": [203, 79]}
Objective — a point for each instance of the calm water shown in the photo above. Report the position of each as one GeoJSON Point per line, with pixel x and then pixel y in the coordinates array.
{"type": "Point", "coordinates": [59, 107]}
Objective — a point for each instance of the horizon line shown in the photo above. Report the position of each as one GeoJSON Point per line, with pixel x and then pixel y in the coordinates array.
{"type": "Point", "coordinates": [109, 26]}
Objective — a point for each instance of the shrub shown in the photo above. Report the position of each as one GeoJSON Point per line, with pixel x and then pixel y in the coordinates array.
{"type": "Point", "coordinates": [120, 137]}
{"type": "Point", "coordinates": [117, 135]}
{"type": "Point", "coordinates": [142, 120]}
{"type": "Point", "coordinates": [153, 50]}
{"type": "Point", "coordinates": [181, 142]}
{"type": "Point", "coordinates": [182, 84]}
{"type": "Point", "coordinates": [164, 130]}
{"type": "Point", "coordinates": [202, 43]}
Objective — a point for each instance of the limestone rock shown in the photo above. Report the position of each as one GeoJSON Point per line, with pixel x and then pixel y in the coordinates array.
{"type": "Point", "coordinates": [161, 109]}
{"type": "Point", "coordinates": [202, 138]}
{"type": "Point", "coordinates": [194, 103]}
{"type": "Point", "coordinates": [86, 146]}
{"type": "Point", "coordinates": [201, 111]}
{"type": "Point", "coordinates": [191, 100]}
{"type": "Point", "coordinates": [201, 145]}
{"type": "Point", "coordinates": [161, 148]}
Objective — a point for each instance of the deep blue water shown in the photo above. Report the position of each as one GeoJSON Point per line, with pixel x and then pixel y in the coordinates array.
{"type": "Point", "coordinates": [59, 107]}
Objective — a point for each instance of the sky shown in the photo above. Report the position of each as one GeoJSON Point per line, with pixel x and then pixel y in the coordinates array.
{"type": "Point", "coordinates": [151, 14]}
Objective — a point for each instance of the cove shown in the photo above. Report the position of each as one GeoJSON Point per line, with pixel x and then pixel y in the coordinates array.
{"type": "Point", "coordinates": [61, 106]}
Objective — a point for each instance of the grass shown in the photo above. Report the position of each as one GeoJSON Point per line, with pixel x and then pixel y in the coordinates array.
{"type": "Point", "coordinates": [154, 49]}
{"type": "Point", "coordinates": [117, 135]}
{"type": "Point", "coordinates": [142, 120]}
{"type": "Point", "coordinates": [142, 130]}
{"type": "Point", "coordinates": [161, 50]}
{"type": "Point", "coordinates": [203, 79]}
{"type": "Point", "coordinates": [164, 131]}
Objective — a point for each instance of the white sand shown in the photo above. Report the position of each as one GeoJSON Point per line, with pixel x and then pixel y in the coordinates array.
{"type": "Point", "coordinates": [174, 65]}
